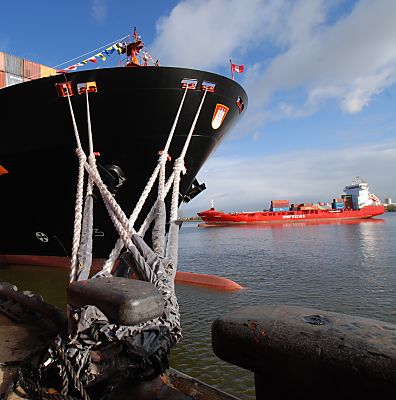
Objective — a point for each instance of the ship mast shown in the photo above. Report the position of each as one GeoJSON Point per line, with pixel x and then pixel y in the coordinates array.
{"type": "Point", "coordinates": [132, 51]}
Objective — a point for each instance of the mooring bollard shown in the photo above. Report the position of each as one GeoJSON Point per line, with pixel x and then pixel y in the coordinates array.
{"type": "Point", "coordinates": [298, 352]}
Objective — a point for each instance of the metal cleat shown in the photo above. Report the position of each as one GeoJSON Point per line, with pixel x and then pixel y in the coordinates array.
{"type": "Point", "coordinates": [189, 83]}
{"type": "Point", "coordinates": [87, 87]}
{"type": "Point", "coordinates": [208, 86]}
{"type": "Point", "coordinates": [64, 89]}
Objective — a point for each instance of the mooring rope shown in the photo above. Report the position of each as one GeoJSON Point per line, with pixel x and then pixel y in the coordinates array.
{"type": "Point", "coordinates": [160, 168]}
{"type": "Point", "coordinates": [115, 210]}
{"type": "Point", "coordinates": [179, 168]}
{"type": "Point", "coordinates": [179, 164]}
{"type": "Point", "coordinates": [116, 214]}
{"type": "Point", "coordinates": [152, 264]}
{"type": "Point", "coordinates": [123, 225]}
{"type": "Point", "coordinates": [164, 157]}
{"type": "Point", "coordinates": [79, 197]}
{"type": "Point", "coordinates": [119, 216]}
{"type": "Point", "coordinates": [91, 155]}
{"type": "Point", "coordinates": [150, 216]}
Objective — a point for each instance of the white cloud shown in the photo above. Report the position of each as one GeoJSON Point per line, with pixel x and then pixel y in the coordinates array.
{"type": "Point", "coordinates": [320, 175]}
{"type": "Point", "coordinates": [99, 10]}
{"type": "Point", "coordinates": [293, 46]}
{"type": "Point", "coordinates": [355, 58]}
{"type": "Point", "coordinates": [206, 33]}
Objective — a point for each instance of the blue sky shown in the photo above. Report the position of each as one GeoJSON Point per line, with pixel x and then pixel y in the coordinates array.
{"type": "Point", "coordinates": [320, 76]}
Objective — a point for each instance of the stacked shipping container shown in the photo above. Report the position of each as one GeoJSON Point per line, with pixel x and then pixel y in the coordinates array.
{"type": "Point", "coordinates": [347, 201]}
{"type": "Point", "coordinates": [337, 204]}
{"type": "Point", "coordinates": [2, 73]}
{"type": "Point", "coordinates": [310, 206]}
{"type": "Point", "coordinates": [280, 205]}
{"type": "Point", "coordinates": [14, 70]}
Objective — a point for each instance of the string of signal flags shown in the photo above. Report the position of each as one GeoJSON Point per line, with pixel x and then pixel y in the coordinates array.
{"type": "Point", "coordinates": [116, 47]}
{"type": "Point", "coordinates": [119, 47]}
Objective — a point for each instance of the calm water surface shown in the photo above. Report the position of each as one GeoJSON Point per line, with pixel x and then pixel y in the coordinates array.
{"type": "Point", "coordinates": [348, 268]}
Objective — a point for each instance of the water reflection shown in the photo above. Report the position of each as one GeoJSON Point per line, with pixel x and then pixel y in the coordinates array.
{"type": "Point", "coordinates": [346, 266]}
{"type": "Point", "coordinates": [279, 225]}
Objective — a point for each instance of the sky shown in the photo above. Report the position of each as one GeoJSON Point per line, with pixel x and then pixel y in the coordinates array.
{"type": "Point", "coordinates": [320, 76]}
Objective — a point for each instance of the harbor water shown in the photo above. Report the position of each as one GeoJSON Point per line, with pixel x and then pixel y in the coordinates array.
{"type": "Point", "coordinates": [347, 267]}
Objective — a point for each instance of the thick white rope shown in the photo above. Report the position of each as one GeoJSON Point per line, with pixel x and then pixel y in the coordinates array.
{"type": "Point", "coordinates": [108, 197]}
{"type": "Point", "coordinates": [114, 209]}
{"type": "Point", "coordinates": [79, 198]}
{"type": "Point", "coordinates": [116, 214]}
{"type": "Point", "coordinates": [179, 165]}
{"type": "Point", "coordinates": [163, 159]}
{"type": "Point", "coordinates": [122, 224]}
{"type": "Point", "coordinates": [173, 234]}
{"type": "Point", "coordinates": [85, 244]}
{"type": "Point", "coordinates": [91, 156]}
{"type": "Point", "coordinates": [150, 216]}
{"type": "Point", "coordinates": [77, 218]}
{"type": "Point", "coordinates": [160, 168]}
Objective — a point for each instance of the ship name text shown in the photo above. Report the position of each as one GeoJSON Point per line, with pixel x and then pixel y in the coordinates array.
{"type": "Point", "coordinates": [293, 216]}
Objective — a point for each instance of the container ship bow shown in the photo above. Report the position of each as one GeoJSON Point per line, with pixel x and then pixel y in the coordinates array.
{"type": "Point", "coordinates": [132, 111]}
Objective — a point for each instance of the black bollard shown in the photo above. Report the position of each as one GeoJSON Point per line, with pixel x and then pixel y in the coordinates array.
{"type": "Point", "coordinates": [302, 353]}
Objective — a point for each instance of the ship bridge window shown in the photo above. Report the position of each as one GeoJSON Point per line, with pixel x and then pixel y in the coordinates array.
{"type": "Point", "coordinates": [209, 86]}
{"type": "Point", "coordinates": [189, 83]}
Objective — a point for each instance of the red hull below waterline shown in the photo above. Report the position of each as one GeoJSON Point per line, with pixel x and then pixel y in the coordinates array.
{"type": "Point", "coordinates": [189, 278]}
{"type": "Point", "coordinates": [214, 217]}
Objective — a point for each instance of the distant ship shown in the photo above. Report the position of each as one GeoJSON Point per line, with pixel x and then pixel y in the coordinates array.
{"type": "Point", "coordinates": [356, 203]}
{"type": "Point", "coordinates": [132, 114]}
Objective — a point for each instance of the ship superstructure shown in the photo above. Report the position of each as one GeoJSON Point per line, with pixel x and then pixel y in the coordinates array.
{"type": "Point", "coordinates": [360, 194]}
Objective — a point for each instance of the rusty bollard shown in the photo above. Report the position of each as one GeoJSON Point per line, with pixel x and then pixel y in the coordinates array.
{"type": "Point", "coordinates": [302, 353]}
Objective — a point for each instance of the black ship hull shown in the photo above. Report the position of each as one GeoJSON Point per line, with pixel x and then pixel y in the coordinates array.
{"type": "Point", "coordinates": [132, 114]}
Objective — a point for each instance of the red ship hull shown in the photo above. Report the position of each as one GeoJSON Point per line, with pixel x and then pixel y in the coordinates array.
{"type": "Point", "coordinates": [214, 217]}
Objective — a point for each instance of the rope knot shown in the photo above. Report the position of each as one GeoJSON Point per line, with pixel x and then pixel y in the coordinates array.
{"type": "Point", "coordinates": [91, 159]}
{"type": "Point", "coordinates": [164, 156]}
{"type": "Point", "coordinates": [80, 153]}
{"type": "Point", "coordinates": [179, 166]}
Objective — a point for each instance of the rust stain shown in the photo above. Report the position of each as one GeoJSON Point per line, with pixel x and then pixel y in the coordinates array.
{"type": "Point", "coordinates": [252, 325]}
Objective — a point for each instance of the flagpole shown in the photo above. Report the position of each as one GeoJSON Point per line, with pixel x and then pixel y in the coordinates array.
{"type": "Point", "coordinates": [232, 71]}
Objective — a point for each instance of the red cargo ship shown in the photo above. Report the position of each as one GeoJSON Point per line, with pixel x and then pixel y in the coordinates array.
{"type": "Point", "coordinates": [356, 203]}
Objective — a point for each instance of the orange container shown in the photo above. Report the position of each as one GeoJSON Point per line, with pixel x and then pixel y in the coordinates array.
{"type": "Point", "coordinates": [31, 70]}
{"type": "Point", "coordinates": [2, 79]}
{"type": "Point", "coordinates": [46, 71]}
{"type": "Point", "coordinates": [2, 65]}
